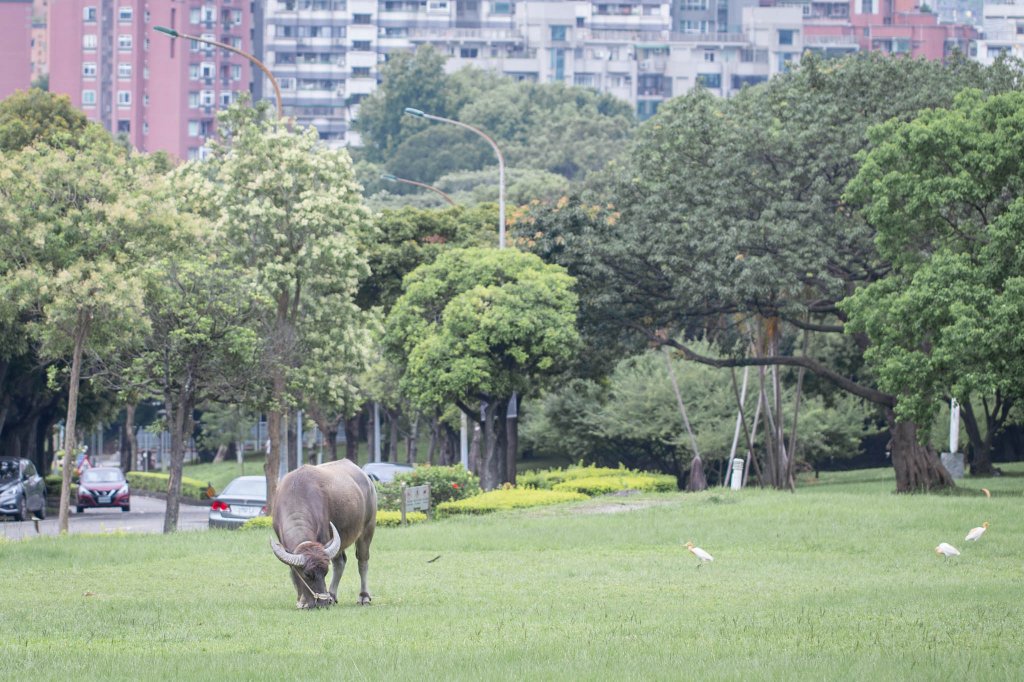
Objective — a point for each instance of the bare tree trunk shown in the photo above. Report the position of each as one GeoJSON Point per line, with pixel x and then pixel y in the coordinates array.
{"type": "Point", "coordinates": [411, 441]}
{"type": "Point", "coordinates": [179, 418]}
{"type": "Point", "coordinates": [70, 424]}
{"type": "Point", "coordinates": [981, 462]}
{"type": "Point", "coordinates": [495, 444]}
{"type": "Point", "coordinates": [475, 445]}
{"type": "Point", "coordinates": [917, 469]}
{"type": "Point", "coordinates": [273, 461]}
{"type": "Point", "coordinates": [432, 447]}
{"type": "Point", "coordinates": [128, 458]}
{"type": "Point", "coordinates": [394, 417]}
{"type": "Point", "coordinates": [352, 438]}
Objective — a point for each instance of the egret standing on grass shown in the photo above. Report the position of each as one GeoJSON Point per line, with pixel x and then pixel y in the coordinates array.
{"type": "Point", "coordinates": [947, 550]}
{"type": "Point", "coordinates": [699, 553]}
{"type": "Point", "coordinates": [977, 532]}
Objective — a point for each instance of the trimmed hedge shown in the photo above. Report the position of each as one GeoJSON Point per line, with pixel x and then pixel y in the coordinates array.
{"type": "Point", "coordinates": [394, 518]}
{"type": "Point", "coordinates": [547, 479]}
{"type": "Point", "coordinates": [506, 498]}
{"type": "Point", "coordinates": [446, 484]}
{"type": "Point", "coordinates": [191, 488]}
{"type": "Point", "coordinates": [384, 518]}
{"type": "Point", "coordinates": [602, 485]}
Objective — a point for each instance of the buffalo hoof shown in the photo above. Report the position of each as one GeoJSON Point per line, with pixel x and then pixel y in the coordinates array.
{"type": "Point", "coordinates": [364, 598]}
{"type": "Point", "coordinates": [334, 598]}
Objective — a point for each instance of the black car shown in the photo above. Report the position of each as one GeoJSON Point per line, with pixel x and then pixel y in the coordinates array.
{"type": "Point", "coordinates": [22, 489]}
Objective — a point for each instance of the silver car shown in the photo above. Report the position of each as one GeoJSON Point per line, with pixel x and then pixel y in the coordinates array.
{"type": "Point", "coordinates": [243, 499]}
{"type": "Point", "coordinates": [22, 489]}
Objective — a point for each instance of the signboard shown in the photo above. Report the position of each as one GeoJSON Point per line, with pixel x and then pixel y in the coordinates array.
{"type": "Point", "coordinates": [415, 498]}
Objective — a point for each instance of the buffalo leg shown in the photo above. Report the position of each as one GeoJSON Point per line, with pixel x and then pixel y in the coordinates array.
{"type": "Point", "coordinates": [339, 567]}
{"type": "Point", "coordinates": [363, 556]}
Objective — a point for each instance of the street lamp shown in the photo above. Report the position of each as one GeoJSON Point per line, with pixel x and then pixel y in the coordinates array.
{"type": "Point", "coordinates": [273, 81]}
{"type": "Point", "coordinates": [392, 178]}
{"type": "Point", "coordinates": [501, 164]}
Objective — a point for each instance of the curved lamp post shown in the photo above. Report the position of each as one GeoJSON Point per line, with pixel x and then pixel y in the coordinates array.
{"type": "Point", "coordinates": [501, 164]}
{"type": "Point", "coordinates": [392, 178]}
{"type": "Point", "coordinates": [277, 88]}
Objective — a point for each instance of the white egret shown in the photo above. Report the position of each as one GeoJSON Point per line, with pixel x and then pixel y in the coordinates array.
{"type": "Point", "coordinates": [977, 532]}
{"type": "Point", "coordinates": [699, 553]}
{"type": "Point", "coordinates": [946, 550]}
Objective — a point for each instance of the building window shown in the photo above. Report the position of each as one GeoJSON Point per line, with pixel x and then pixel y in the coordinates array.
{"type": "Point", "coordinates": [786, 36]}
{"type": "Point", "coordinates": [89, 14]}
{"type": "Point", "coordinates": [710, 80]}
{"type": "Point", "coordinates": [286, 83]}
{"type": "Point", "coordinates": [225, 99]}
{"type": "Point", "coordinates": [124, 14]}
{"type": "Point", "coordinates": [88, 98]}
{"type": "Point", "coordinates": [501, 8]}
{"type": "Point", "coordinates": [709, 56]}
{"type": "Point", "coordinates": [124, 41]}
{"type": "Point", "coordinates": [193, 100]}
{"type": "Point", "coordinates": [207, 70]}
{"type": "Point", "coordinates": [206, 98]}
{"type": "Point", "coordinates": [193, 128]}
{"type": "Point", "coordinates": [468, 52]}
{"type": "Point", "coordinates": [193, 72]}
{"type": "Point", "coordinates": [89, 70]}
{"type": "Point", "coordinates": [361, 45]}
{"type": "Point", "coordinates": [867, 7]}
{"type": "Point", "coordinates": [145, 128]}
{"type": "Point", "coordinates": [699, 5]}
{"type": "Point", "coordinates": [124, 126]}
{"type": "Point", "coordinates": [193, 15]}
{"type": "Point", "coordinates": [236, 72]}
{"type": "Point", "coordinates": [360, 71]}
{"type": "Point", "coordinates": [124, 98]}
{"type": "Point", "coordinates": [360, 18]}
{"type": "Point", "coordinates": [89, 41]}
{"type": "Point", "coordinates": [124, 71]}
{"type": "Point", "coordinates": [558, 33]}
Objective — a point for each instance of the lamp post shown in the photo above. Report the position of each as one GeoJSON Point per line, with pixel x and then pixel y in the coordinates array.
{"type": "Point", "coordinates": [392, 178]}
{"type": "Point", "coordinates": [273, 81]}
{"type": "Point", "coordinates": [501, 164]}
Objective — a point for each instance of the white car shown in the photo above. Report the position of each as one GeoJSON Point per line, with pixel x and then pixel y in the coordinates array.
{"type": "Point", "coordinates": [385, 471]}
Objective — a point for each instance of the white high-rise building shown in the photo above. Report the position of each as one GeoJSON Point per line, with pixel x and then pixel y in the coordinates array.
{"type": "Point", "coordinates": [326, 54]}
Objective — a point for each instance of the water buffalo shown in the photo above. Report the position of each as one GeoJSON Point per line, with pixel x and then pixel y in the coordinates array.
{"type": "Point", "coordinates": [318, 512]}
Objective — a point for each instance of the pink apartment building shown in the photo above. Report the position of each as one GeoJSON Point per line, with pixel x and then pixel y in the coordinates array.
{"type": "Point", "coordinates": [15, 46]}
{"type": "Point", "coordinates": [161, 93]}
{"type": "Point", "coordinates": [889, 26]}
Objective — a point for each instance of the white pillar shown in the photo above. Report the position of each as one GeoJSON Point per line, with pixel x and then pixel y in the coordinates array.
{"type": "Point", "coordinates": [737, 473]}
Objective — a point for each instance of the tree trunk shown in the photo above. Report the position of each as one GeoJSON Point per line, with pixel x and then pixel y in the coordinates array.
{"type": "Point", "coordinates": [917, 469]}
{"type": "Point", "coordinates": [179, 418]}
{"type": "Point", "coordinates": [273, 462]}
{"type": "Point", "coordinates": [512, 447]}
{"type": "Point", "coordinates": [495, 444]}
{"type": "Point", "coordinates": [351, 439]}
{"type": "Point", "coordinates": [128, 458]}
{"type": "Point", "coordinates": [432, 446]}
{"type": "Point", "coordinates": [394, 417]}
{"type": "Point", "coordinates": [981, 446]}
{"type": "Point", "coordinates": [70, 424]}
{"type": "Point", "coordinates": [412, 442]}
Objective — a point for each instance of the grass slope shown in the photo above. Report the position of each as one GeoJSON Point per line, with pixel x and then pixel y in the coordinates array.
{"type": "Point", "coordinates": [837, 581]}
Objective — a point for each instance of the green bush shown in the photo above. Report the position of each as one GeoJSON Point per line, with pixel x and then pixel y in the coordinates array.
{"type": "Point", "coordinates": [502, 498]}
{"type": "Point", "coordinates": [191, 488]}
{"type": "Point", "coordinates": [446, 483]}
{"type": "Point", "coordinates": [394, 518]}
{"type": "Point", "coordinates": [53, 483]}
{"type": "Point", "coordinates": [389, 495]}
{"type": "Point", "coordinates": [258, 523]}
{"type": "Point", "coordinates": [602, 485]}
{"type": "Point", "coordinates": [547, 479]}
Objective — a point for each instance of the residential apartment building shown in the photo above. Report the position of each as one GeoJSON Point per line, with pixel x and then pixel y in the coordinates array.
{"type": "Point", "coordinates": [40, 38]}
{"type": "Point", "coordinates": [1002, 32]}
{"type": "Point", "coordinates": [326, 54]}
{"type": "Point", "coordinates": [15, 46]}
{"type": "Point", "coordinates": [161, 93]}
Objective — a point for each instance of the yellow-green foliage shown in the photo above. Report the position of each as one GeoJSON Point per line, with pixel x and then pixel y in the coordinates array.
{"type": "Point", "coordinates": [190, 487]}
{"type": "Point", "coordinates": [602, 485]}
{"type": "Point", "coordinates": [547, 479]}
{"type": "Point", "coordinates": [259, 522]}
{"type": "Point", "coordinates": [394, 518]}
{"type": "Point", "coordinates": [511, 498]}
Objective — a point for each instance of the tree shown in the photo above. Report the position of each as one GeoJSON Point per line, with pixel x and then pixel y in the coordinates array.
{"type": "Point", "coordinates": [291, 211]}
{"type": "Point", "coordinates": [36, 116]}
{"type": "Point", "coordinates": [943, 192]}
{"type": "Point", "coordinates": [75, 215]}
{"type": "Point", "coordinates": [476, 326]}
{"type": "Point", "coordinates": [730, 223]}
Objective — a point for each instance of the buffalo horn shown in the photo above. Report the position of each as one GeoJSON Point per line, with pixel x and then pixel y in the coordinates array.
{"type": "Point", "coordinates": [334, 546]}
{"type": "Point", "coordinates": [286, 556]}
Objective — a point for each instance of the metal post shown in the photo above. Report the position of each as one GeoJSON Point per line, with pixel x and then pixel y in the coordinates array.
{"type": "Point", "coordinates": [464, 442]}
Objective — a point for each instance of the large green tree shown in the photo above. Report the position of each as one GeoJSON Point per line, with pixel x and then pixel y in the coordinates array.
{"type": "Point", "coordinates": [729, 220]}
{"type": "Point", "coordinates": [944, 192]}
{"type": "Point", "coordinates": [476, 326]}
{"type": "Point", "coordinates": [292, 212]}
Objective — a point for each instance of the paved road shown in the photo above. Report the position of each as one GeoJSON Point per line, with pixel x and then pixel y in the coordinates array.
{"type": "Point", "coordinates": [146, 516]}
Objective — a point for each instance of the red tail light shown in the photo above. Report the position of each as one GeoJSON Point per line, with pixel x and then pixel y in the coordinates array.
{"type": "Point", "coordinates": [263, 510]}
{"type": "Point", "coordinates": [219, 506]}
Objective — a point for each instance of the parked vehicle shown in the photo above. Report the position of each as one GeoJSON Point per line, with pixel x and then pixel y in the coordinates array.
{"type": "Point", "coordinates": [22, 489]}
{"type": "Point", "coordinates": [385, 471]}
{"type": "Point", "coordinates": [242, 499]}
{"type": "Point", "coordinates": [103, 487]}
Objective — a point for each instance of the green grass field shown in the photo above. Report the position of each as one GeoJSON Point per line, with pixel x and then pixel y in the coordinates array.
{"type": "Point", "coordinates": [835, 582]}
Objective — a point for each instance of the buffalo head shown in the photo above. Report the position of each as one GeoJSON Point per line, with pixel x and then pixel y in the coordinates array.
{"type": "Point", "coordinates": [309, 564]}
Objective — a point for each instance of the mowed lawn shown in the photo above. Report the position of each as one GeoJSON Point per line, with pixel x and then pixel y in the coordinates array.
{"type": "Point", "coordinates": [838, 581]}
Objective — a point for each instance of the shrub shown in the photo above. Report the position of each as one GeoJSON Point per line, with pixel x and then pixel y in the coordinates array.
{"type": "Point", "coordinates": [502, 498]}
{"type": "Point", "coordinates": [547, 479]}
{"type": "Point", "coordinates": [602, 485]}
{"type": "Point", "coordinates": [258, 523]}
{"type": "Point", "coordinates": [446, 483]}
{"type": "Point", "coordinates": [389, 495]}
{"type": "Point", "coordinates": [53, 483]}
{"type": "Point", "coordinates": [394, 518]}
{"type": "Point", "coordinates": [191, 488]}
